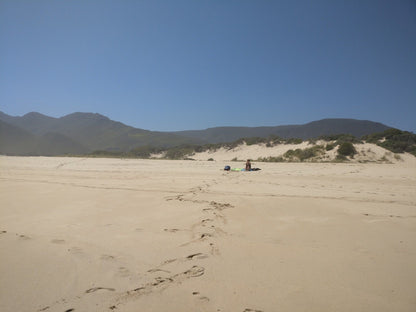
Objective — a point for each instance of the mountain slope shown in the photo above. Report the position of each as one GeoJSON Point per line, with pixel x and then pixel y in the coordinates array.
{"type": "Point", "coordinates": [15, 141]}
{"type": "Point", "coordinates": [310, 130]}
{"type": "Point", "coordinates": [99, 132]}
{"type": "Point", "coordinates": [52, 143]}
{"type": "Point", "coordinates": [86, 132]}
{"type": "Point", "coordinates": [35, 123]}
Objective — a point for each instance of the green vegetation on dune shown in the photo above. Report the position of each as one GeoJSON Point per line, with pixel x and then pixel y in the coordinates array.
{"type": "Point", "coordinates": [180, 152]}
{"type": "Point", "coordinates": [346, 149]}
{"type": "Point", "coordinates": [297, 155]}
{"type": "Point", "coordinates": [272, 159]}
{"type": "Point", "coordinates": [107, 154]}
{"type": "Point", "coordinates": [394, 140]}
{"type": "Point", "coordinates": [144, 151]}
{"type": "Point", "coordinates": [304, 154]}
{"type": "Point", "coordinates": [340, 138]}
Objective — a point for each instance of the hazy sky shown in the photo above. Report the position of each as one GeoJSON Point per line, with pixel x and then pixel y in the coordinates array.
{"type": "Point", "coordinates": [175, 65]}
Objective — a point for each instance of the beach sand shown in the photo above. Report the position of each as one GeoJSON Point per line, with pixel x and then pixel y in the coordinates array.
{"type": "Point", "coordinates": [85, 234]}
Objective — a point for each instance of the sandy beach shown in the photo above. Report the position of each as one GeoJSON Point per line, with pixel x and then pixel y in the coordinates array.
{"type": "Point", "coordinates": [86, 234]}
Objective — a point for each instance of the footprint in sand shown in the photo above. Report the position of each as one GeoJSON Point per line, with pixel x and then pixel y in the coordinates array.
{"type": "Point", "coordinates": [158, 270]}
{"type": "Point", "coordinates": [205, 221]}
{"type": "Point", "coordinates": [123, 272]}
{"type": "Point", "coordinates": [200, 237]}
{"type": "Point", "coordinates": [162, 282]}
{"type": "Point", "coordinates": [107, 257]}
{"type": "Point", "coordinates": [76, 250]}
{"type": "Point", "coordinates": [198, 296]}
{"type": "Point", "coordinates": [205, 235]}
{"type": "Point", "coordinates": [171, 230]}
{"type": "Point", "coordinates": [23, 237]}
{"type": "Point", "coordinates": [198, 255]}
{"type": "Point", "coordinates": [203, 298]}
{"type": "Point", "coordinates": [194, 256]}
{"type": "Point", "coordinates": [178, 197]}
{"type": "Point", "coordinates": [220, 206]}
{"type": "Point", "coordinates": [94, 289]}
{"type": "Point", "coordinates": [214, 250]}
{"type": "Point", "coordinates": [58, 241]}
{"type": "Point", "coordinates": [169, 261]}
{"type": "Point", "coordinates": [195, 271]}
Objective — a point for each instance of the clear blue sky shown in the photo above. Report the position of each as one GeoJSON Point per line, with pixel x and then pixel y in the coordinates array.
{"type": "Point", "coordinates": [176, 65]}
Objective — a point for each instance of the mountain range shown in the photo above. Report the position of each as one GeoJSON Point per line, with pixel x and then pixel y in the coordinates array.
{"type": "Point", "coordinates": [81, 133]}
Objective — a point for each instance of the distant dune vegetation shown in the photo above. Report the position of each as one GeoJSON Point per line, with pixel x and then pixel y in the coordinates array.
{"type": "Point", "coordinates": [341, 147]}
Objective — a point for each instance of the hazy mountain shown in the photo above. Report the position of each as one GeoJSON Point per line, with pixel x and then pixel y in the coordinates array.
{"type": "Point", "coordinates": [99, 132]}
{"type": "Point", "coordinates": [33, 122]}
{"type": "Point", "coordinates": [51, 143]}
{"type": "Point", "coordinates": [310, 130]}
{"type": "Point", "coordinates": [15, 141]}
{"type": "Point", "coordinates": [78, 133]}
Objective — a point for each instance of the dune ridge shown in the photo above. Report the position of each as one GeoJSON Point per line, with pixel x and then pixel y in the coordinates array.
{"type": "Point", "coordinates": [366, 153]}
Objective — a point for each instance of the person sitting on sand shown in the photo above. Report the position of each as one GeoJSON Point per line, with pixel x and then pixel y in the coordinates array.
{"type": "Point", "coordinates": [248, 165]}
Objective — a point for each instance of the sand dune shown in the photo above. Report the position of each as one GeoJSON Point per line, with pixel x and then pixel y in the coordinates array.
{"type": "Point", "coordinates": [366, 152]}
{"type": "Point", "coordinates": [82, 234]}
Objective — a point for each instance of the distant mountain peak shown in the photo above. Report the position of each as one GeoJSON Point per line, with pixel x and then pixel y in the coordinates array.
{"type": "Point", "coordinates": [83, 115]}
{"type": "Point", "coordinates": [34, 114]}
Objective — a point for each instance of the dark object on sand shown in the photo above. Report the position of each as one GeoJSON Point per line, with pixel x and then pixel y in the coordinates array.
{"type": "Point", "coordinates": [228, 168]}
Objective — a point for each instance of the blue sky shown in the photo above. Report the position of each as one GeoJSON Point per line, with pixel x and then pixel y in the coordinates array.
{"type": "Point", "coordinates": [181, 65]}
